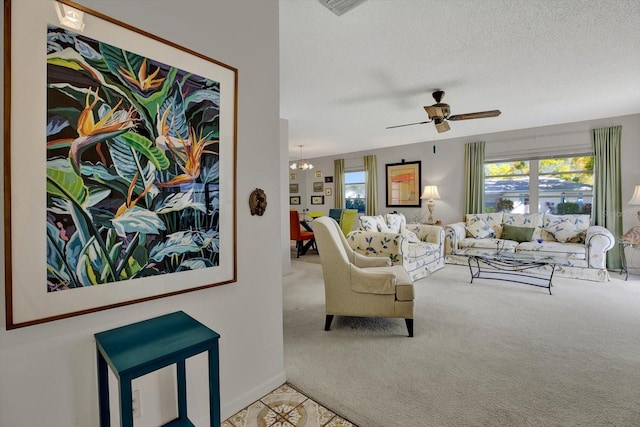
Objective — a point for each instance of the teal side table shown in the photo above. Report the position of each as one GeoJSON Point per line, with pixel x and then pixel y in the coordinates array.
{"type": "Point", "coordinates": [140, 348]}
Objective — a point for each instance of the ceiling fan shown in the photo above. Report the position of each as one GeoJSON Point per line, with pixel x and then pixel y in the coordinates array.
{"type": "Point", "coordinates": [439, 114]}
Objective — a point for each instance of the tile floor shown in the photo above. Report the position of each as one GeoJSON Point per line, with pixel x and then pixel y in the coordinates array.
{"type": "Point", "coordinates": [286, 407]}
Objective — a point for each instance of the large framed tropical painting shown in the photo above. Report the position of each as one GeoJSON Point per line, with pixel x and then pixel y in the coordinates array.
{"type": "Point", "coordinates": [120, 165]}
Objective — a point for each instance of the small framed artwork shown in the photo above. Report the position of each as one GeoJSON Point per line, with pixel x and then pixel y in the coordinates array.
{"type": "Point", "coordinates": [404, 181]}
{"type": "Point", "coordinates": [317, 200]}
{"type": "Point", "coordinates": [328, 192]}
{"type": "Point", "coordinates": [294, 200]}
{"type": "Point", "coordinates": [293, 188]}
{"type": "Point", "coordinates": [292, 177]}
{"type": "Point", "coordinates": [318, 174]}
{"type": "Point", "coordinates": [328, 179]}
{"type": "Point", "coordinates": [318, 187]}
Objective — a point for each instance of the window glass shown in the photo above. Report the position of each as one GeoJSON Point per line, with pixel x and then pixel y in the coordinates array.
{"type": "Point", "coordinates": [355, 190]}
{"type": "Point", "coordinates": [556, 185]}
{"type": "Point", "coordinates": [506, 186]}
{"type": "Point", "coordinates": [566, 185]}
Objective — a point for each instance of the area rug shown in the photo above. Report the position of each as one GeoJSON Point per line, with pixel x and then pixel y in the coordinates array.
{"type": "Point", "coordinates": [490, 353]}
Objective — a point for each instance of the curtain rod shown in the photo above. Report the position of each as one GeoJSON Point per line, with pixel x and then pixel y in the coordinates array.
{"type": "Point", "coordinates": [535, 136]}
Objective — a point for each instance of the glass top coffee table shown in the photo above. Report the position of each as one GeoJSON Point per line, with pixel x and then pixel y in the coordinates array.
{"type": "Point", "coordinates": [514, 267]}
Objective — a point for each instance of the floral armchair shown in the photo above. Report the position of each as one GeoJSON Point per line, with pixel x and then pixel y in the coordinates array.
{"type": "Point", "coordinates": [419, 248]}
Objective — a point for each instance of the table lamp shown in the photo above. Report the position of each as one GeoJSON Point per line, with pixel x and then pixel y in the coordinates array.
{"type": "Point", "coordinates": [635, 199]}
{"type": "Point", "coordinates": [633, 235]}
{"type": "Point", "coordinates": [430, 193]}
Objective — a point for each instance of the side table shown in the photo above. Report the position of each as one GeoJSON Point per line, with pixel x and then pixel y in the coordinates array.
{"type": "Point", "coordinates": [623, 257]}
{"type": "Point", "coordinates": [140, 348]}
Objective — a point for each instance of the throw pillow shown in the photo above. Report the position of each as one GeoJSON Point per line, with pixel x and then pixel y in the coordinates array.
{"type": "Point", "coordinates": [517, 234]}
{"type": "Point", "coordinates": [580, 221]}
{"type": "Point", "coordinates": [525, 220]}
{"type": "Point", "coordinates": [632, 236]}
{"type": "Point", "coordinates": [564, 231]}
{"type": "Point", "coordinates": [372, 223]}
{"type": "Point", "coordinates": [410, 235]}
{"type": "Point", "coordinates": [480, 229]}
{"type": "Point", "coordinates": [395, 222]}
{"type": "Point", "coordinates": [494, 220]}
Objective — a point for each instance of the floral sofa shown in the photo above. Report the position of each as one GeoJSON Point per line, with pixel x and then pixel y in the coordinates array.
{"type": "Point", "coordinates": [581, 246]}
{"type": "Point", "coordinates": [419, 248]}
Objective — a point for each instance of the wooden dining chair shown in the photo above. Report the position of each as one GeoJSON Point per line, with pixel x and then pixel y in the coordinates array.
{"type": "Point", "coordinates": [299, 235]}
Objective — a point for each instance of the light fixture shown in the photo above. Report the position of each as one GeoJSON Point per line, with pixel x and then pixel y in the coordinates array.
{"type": "Point", "coordinates": [301, 164]}
{"type": "Point", "coordinates": [69, 16]}
{"type": "Point", "coordinates": [633, 235]}
{"type": "Point", "coordinates": [635, 199]}
{"type": "Point", "coordinates": [340, 7]}
{"type": "Point", "coordinates": [430, 193]}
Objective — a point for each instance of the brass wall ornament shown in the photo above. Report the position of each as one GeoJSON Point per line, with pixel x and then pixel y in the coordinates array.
{"type": "Point", "coordinates": [258, 202]}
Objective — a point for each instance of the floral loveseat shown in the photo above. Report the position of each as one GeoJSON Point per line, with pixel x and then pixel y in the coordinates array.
{"type": "Point", "coordinates": [419, 248]}
{"type": "Point", "coordinates": [584, 245]}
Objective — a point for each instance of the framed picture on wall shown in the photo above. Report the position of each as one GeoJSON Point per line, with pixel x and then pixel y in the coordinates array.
{"type": "Point", "coordinates": [103, 204]}
{"type": "Point", "coordinates": [317, 200]}
{"type": "Point", "coordinates": [328, 191]}
{"type": "Point", "coordinates": [318, 187]}
{"type": "Point", "coordinates": [294, 200]}
{"type": "Point", "coordinates": [293, 188]}
{"type": "Point", "coordinates": [328, 179]}
{"type": "Point", "coordinates": [292, 177]}
{"type": "Point", "coordinates": [403, 184]}
{"type": "Point", "coordinates": [318, 174]}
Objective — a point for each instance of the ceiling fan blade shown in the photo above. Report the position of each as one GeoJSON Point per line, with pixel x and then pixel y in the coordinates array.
{"type": "Point", "coordinates": [442, 127]}
{"type": "Point", "coordinates": [433, 111]}
{"type": "Point", "coordinates": [408, 124]}
{"type": "Point", "coordinates": [478, 115]}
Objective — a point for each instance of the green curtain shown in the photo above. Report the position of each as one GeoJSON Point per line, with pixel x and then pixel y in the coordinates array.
{"type": "Point", "coordinates": [338, 179]}
{"type": "Point", "coordinates": [607, 191]}
{"type": "Point", "coordinates": [474, 177]}
{"type": "Point", "coordinates": [371, 183]}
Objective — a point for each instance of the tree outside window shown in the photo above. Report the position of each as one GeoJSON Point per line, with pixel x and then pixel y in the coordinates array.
{"type": "Point", "coordinates": [355, 190]}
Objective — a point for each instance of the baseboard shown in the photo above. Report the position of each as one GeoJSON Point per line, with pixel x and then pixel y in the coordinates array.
{"type": "Point", "coordinates": [252, 395]}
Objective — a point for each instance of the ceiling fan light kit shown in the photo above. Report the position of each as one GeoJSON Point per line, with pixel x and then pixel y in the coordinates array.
{"type": "Point", "coordinates": [340, 7]}
{"type": "Point", "coordinates": [439, 114]}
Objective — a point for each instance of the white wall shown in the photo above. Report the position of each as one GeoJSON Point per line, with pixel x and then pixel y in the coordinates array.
{"type": "Point", "coordinates": [47, 371]}
{"type": "Point", "coordinates": [445, 167]}
{"type": "Point", "coordinates": [284, 201]}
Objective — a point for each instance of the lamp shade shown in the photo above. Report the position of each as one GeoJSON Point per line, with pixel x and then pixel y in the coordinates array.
{"type": "Point", "coordinates": [431, 192]}
{"type": "Point", "coordinates": [635, 199]}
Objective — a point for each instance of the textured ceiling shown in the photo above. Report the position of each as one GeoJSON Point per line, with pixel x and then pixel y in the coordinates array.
{"type": "Point", "coordinates": [541, 62]}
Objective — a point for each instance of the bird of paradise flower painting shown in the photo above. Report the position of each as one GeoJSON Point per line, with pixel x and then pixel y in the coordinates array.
{"type": "Point", "coordinates": [132, 165]}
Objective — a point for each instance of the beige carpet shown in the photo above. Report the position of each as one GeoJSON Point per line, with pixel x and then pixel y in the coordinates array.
{"type": "Point", "coordinates": [485, 354]}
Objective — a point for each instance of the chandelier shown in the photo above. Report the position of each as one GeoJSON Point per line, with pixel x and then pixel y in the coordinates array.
{"type": "Point", "coordinates": [301, 164]}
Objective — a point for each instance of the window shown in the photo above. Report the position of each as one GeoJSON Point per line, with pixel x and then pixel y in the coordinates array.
{"type": "Point", "coordinates": [355, 190]}
{"type": "Point", "coordinates": [562, 185]}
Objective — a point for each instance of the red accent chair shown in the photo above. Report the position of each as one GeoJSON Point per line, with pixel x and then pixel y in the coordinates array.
{"type": "Point", "coordinates": [299, 235]}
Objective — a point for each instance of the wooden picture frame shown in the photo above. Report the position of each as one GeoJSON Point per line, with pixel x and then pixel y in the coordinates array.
{"type": "Point", "coordinates": [318, 174]}
{"type": "Point", "coordinates": [318, 187]}
{"type": "Point", "coordinates": [293, 188]}
{"type": "Point", "coordinates": [317, 200]}
{"type": "Point", "coordinates": [96, 172]}
{"type": "Point", "coordinates": [294, 200]}
{"type": "Point", "coordinates": [403, 184]}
